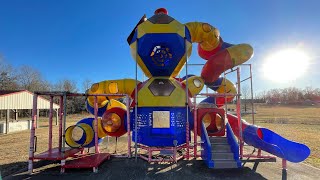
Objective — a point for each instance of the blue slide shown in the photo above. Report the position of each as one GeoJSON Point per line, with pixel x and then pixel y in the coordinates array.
{"type": "Point", "coordinates": [270, 141]}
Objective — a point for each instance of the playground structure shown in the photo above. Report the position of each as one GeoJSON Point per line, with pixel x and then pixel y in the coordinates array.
{"type": "Point", "coordinates": [162, 111]}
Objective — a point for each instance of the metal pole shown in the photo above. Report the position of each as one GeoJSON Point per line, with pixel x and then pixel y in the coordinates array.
{"type": "Point", "coordinates": [252, 103]}
{"type": "Point", "coordinates": [96, 146]}
{"type": "Point", "coordinates": [7, 121]}
{"type": "Point", "coordinates": [50, 123]}
{"type": "Point", "coordinates": [60, 122]}
{"type": "Point", "coordinates": [32, 133]}
{"type": "Point", "coordinates": [63, 161]}
{"type": "Point", "coordinates": [128, 126]}
{"type": "Point", "coordinates": [56, 116]}
{"type": "Point", "coordinates": [239, 113]}
{"type": "Point", "coordinates": [136, 113]}
{"type": "Point", "coordinates": [195, 127]}
{"type": "Point", "coordinates": [187, 106]}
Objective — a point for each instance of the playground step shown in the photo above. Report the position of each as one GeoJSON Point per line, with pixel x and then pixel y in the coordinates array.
{"type": "Point", "coordinates": [220, 148]}
{"type": "Point", "coordinates": [218, 140]}
{"type": "Point", "coordinates": [225, 164]}
{"type": "Point", "coordinates": [222, 156]}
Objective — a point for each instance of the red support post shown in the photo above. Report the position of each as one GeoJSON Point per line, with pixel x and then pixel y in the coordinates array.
{"type": "Point", "coordinates": [32, 133]}
{"type": "Point", "coordinates": [252, 102]}
{"type": "Point", "coordinates": [239, 113]}
{"type": "Point", "coordinates": [60, 122]}
{"type": "Point", "coordinates": [259, 153]}
{"type": "Point", "coordinates": [96, 125]}
{"type": "Point", "coordinates": [50, 123]}
{"type": "Point", "coordinates": [284, 169]}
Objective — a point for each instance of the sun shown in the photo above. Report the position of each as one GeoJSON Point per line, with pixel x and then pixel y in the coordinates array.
{"type": "Point", "coordinates": [286, 65]}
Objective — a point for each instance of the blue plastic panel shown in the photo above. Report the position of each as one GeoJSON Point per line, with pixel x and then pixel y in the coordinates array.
{"type": "Point", "coordinates": [233, 144]}
{"type": "Point", "coordinates": [101, 110]}
{"type": "Point", "coordinates": [88, 121]}
{"type": "Point", "coordinates": [161, 52]}
{"type": "Point", "coordinates": [206, 147]}
{"type": "Point", "coordinates": [275, 144]}
{"type": "Point", "coordinates": [150, 136]}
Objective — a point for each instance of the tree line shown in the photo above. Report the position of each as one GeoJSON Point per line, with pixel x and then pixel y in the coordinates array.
{"type": "Point", "coordinates": [290, 95]}
{"type": "Point", "coordinates": [28, 78]}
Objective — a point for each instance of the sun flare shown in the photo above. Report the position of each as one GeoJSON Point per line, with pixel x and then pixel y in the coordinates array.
{"type": "Point", "coordinates": [286, 65]}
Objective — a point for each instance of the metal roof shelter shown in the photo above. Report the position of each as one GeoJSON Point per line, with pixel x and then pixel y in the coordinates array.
{"type": "Point", "coordinates": [21, 99]}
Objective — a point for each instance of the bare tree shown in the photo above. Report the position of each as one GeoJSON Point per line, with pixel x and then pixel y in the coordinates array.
{"type": "Point", "coordinates": [7, 78]}
{"type": "Point", "coordinates": [86, 84]}
{"type": "Point", "coordinates": [31, 79]}
{"type": "Point", "coordinates": [309, 93]}
{"type": "Point", "coordinates": [66, 85]}
{"type": "Point", "coordinates": [74, 104]}
{"type": "Point", "coordinates": [245, 95]}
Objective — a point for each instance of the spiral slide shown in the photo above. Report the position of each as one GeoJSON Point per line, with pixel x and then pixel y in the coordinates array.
{"type": "Point", "coordinates": [269, 141]}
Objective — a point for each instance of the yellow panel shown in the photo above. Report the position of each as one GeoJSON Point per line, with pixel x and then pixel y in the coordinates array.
{"type": "Point", "coordinates": [195, 84]}
{"type": "Point", "coordinates": [204, 34]}
{"type": "Point", "coordinates": [172, 27]}
{"type": "Point", "coordinates": [219, 122]}
{"type": "Point", "coordinates": [114, 103]}
{"type": "Point", "coordinates": [69, 137]}
{"type": "Point", "coordinates": [125, 86]}
{"type": "Point", "coordinates": [88, 131]}
{"type": "Point", "coordinates": [176, 99]}
{"type": "Point", "coordinates": [113, 87]}
{"type": "Point", "coordinates": [101, 132]}
{"type": "Point", "coordinates": [227, 87]}
{"type": "Point", "coordinates": [133, 50]}
{"type": "Point", "coordinates": [206, 120]}
{"type": "Point", "coordinates": [143, 67]}
{"type": "Point", "coordinates": [240, 53]}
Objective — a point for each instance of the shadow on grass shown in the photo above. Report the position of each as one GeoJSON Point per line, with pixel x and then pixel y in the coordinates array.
{"type": "Point", "coordinates": [130, 169]}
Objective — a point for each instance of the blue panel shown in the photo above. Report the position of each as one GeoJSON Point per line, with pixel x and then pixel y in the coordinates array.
{"type": "Point", "coordinates": [187, 76]}
{"type": "Point", "coordinates": [250, 136]}
{"type": "Point", "coordinates": [293, 151]}
{"type": "Point", "coordinates": [225, 45]}
{"type": "Point", "coordinates": [161, 53]}
{"type": "Point", "coordinates": [233, 145]}
{"type": "Point", "coordinates": [100, 110]}
{"type": "Point", "coordinates": [206, 154]}
{"type": "Point", "coordinates": [188, 36]}
{"type": "Point", "coordinates": [150, 136]}
{"type": "Point", "coordinates": [216, 84]}
{"type": "Point", "coordinates": [134, 38]}
{"type": "Point", "coordinates": [210, 100]}
{"type": "Point", "coordinates": [81, 141]}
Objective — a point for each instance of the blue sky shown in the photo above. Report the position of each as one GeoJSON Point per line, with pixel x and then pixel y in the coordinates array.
{"type": "Point", "coordinates": [87, 39]}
